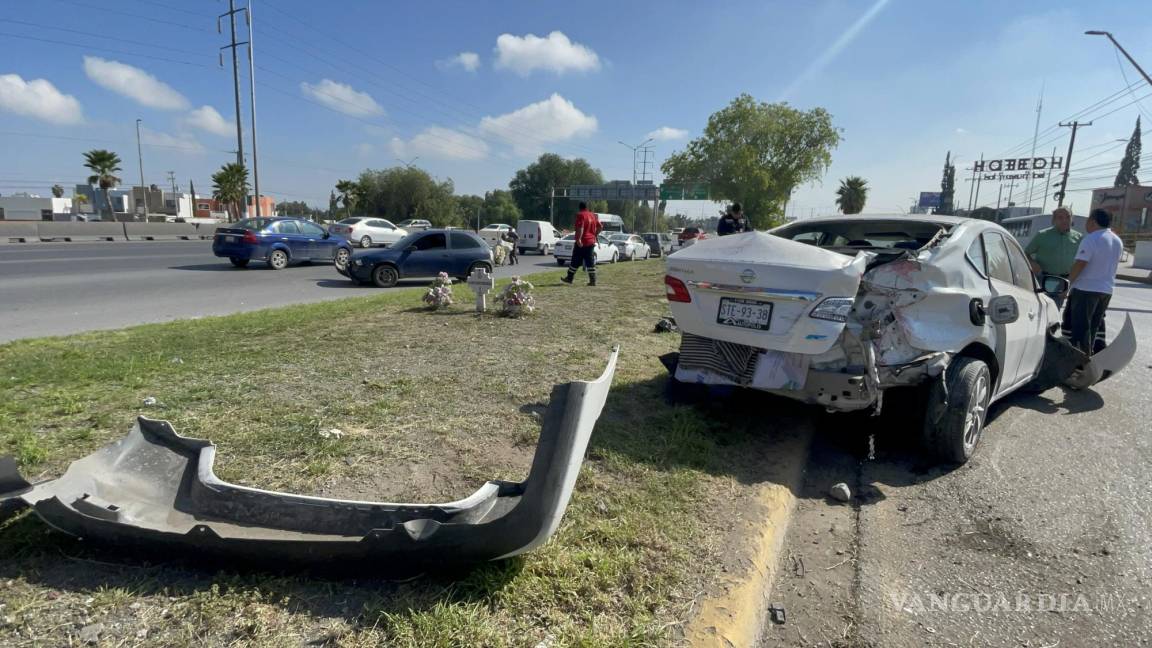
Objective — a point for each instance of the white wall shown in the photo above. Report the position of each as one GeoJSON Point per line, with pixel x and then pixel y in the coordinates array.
{"type": "Point", "coordinates": [25, 208]}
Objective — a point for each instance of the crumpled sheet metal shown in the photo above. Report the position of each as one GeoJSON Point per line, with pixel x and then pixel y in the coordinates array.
{"type": "Point", "coordinates": [155, 488]}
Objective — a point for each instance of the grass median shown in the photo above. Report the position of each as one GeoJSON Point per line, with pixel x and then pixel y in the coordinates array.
{"type": "Point", "coordinates": [430, 405]}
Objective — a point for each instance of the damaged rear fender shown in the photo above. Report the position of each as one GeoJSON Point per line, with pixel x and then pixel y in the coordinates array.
{"type": "Point", "coordinates": [156, 488]}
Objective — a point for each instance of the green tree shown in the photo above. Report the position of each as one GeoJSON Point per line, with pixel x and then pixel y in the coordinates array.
{"type": "Point", "coordinates": [852, 194]}
{"type": "Point", "coordinates": [332, 204]}
{"type": "Point", "coordinates": [532, 186]}
{"type": "Point", "coordinates": [947, 186]}
{"type": "Point", "coordinates": [755, 153]}
{"type": "Point", "coordinates": [57, 191]}
{"type": "Point", "coordinates": [499, 207]}
{"type": "Point", "coordinates": [350, 194]}
{"type": "Point", "coordinates": [1130, 165]}
{"type": "Point", "coordinates": [469, 207]}
{"type": "Point", "coordinates": [104, 166]}
{"type": "Point", "coordinates": [400, 193]}
{"type": "Point", "coordinates": [230, 187]}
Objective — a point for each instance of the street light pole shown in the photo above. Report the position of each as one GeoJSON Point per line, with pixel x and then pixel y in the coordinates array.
{"type": "Point", "coordinates": [252, 105]}
{"type": "Point", "coordinates": [1093, 32]}
{"type": "Point", "coordinates": [634, 150]}
{"type": "Point", "coordinates": [140, 159]}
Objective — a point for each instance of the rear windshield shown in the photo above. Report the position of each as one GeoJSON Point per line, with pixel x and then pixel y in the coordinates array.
{"type": "Point", "coordinates": [620, 237]}
{"type": "Point", "coordinates": [863, 234]}
{"type": "Point", "coordinates": [350, 221]}
{"type": "Point", "coordinates": [255, 224]}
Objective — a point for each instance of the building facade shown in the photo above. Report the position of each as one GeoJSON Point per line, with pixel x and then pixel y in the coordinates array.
{"type": "Point", "coordinates": [30, 207]}
{"type": "Point", "coordinates": [1131, 207]}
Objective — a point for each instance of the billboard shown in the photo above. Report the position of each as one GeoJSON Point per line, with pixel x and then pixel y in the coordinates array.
{"type": "Point", "coordinates": [929, 199]}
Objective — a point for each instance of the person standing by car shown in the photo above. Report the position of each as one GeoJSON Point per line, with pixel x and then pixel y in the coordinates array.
{"type": "Point", "coordinates": [512, 238]}
{"type": "Point", "coordinates": [732, 222]}
{"type": "Point", "coordinates": [588, 227]}
{"type": "Point", "coordinates": [1091, 279]}
{"type": "Point", "coordinates": [1053, 250]}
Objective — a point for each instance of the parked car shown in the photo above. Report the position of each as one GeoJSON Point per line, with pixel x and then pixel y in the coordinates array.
{"type": "Point", "coordinates": [279, 241]}
{"type": "Point", "coordinates": [686, 237]}
{"type": "Point", "coordinates": [658, 242]}
{"type": "Point", "coordinates": [631, 246]}
{"type": "Point", "coordinates": [415, 225]}
{"type": "Point", "coordinates": [494, 233]}
{"type": "Point", "coordinates": [368, 231]}
{"type": "Point", "coordinates": [605, 251]}
{"type": "Point", "coordinates": [536, 236]}
{"type": "Point", "coordinates": [838, 311]}
{"type": "Point", "coordinates": [421, 254]}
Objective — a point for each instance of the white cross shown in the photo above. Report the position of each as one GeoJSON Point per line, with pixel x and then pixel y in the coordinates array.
{"type": "Point", "coordinates": [481, 283]}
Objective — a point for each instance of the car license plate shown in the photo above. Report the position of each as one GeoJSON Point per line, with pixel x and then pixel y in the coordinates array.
{"type": "Point", "coordinates": [744, 313]}
{"type": "Point", "coordinates": [230, 239]}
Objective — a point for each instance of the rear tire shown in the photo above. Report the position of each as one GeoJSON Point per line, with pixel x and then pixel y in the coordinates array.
{"type": "Point", "coordinates": [546, 250]}
{"type": "Point", "coordinates": [365, 241]}
{"type": "Point", "coordinates": [385, 276]}
{"type": "Point", "coordinates": [278, 259]}
{"type": "Point", "coordinates": [615, 257]}
{"type": "Point", "coordinates": [561, 262]}
{"type": "Point", "coordinates": [957, 410]}
{"type": "Point", "coordinates": [478, 264]}
{"type": "Point", "coordinates": [238, 262]}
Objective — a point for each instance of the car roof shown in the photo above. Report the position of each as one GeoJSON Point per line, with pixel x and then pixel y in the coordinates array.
{"type": "Point", "coordinates": [937, 219]}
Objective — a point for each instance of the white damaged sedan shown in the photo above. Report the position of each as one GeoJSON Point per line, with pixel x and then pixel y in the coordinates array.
{"type": "Point", "coordinates": [835, 311]}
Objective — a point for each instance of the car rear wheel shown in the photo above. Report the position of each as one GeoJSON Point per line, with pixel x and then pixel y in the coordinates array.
{"type": "Point", "coordinates": [561, 262]}
{"type": "Point", "coordinates": [341, 258]}
{"type": "Point", "coordinates": [546, 250]}
{"type": "Point", "coordinates": [475, 266]}
{"type": "Point", "coordinates": [238, 262]}
{"type": "Point", "coordinates": [278, 260]}
{"type": "Point", "coordinates": [957, 410]}
{"type": "Point", "coordinates": [385, 276]}
{"type": "Point", "coordinates": [615, 257]}
{"type": "Point", "coordinates": [365, 241]}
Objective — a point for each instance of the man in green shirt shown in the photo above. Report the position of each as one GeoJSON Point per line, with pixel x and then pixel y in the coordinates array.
{"type": "Point", "coordinates": [1053, 250]}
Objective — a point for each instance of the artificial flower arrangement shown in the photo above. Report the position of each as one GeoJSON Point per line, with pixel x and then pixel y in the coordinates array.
{"type": "Point", "coordinates": [439, 294]}
{"type": "Point", "coordinates": [516, 300]}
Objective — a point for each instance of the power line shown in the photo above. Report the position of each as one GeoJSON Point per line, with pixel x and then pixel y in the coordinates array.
{"type": "Point", "coordinates": [103, 49]}
{"type": "Point", "coordinates": [166, 48]}
{"type": "Point", "coordinates": [106, 10]}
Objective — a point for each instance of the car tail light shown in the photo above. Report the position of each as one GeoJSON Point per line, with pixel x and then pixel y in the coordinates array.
{"type": "Point", "coordinates": [250, 237]}
{"type": "Point", "coordinates": [676, 290]}
{"type": "Point", "coordinates": [833, 309]}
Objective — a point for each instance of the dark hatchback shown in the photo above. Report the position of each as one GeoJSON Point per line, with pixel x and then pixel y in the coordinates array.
{"type": "Point", "coordinates": [279, 241]}
{"type": "Point", "coordinates": [421, 254]}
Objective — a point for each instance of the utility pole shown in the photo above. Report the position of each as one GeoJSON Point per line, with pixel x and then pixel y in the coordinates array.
{"type": "Point", "coordinates": [232, 11]}
{"type": "Point", "coordinates": [172, 180]}
{"type": "Point", "coordinates": [979, 179]}
{"type": "Point", "coordinates": [140, 159]}
{"type": "Point", "coordinates": [552, 206]}
{"type": "Point", "coordinates": [1035, 134]}
{"type": "Point", "coordinates": [1075, 125]}
{"type": "Point", "coordinates": [971, 188]}
{"type": "Point", "coordinates": [252, 106]}
{"type": "Point", "coordinates": [1044, 207]}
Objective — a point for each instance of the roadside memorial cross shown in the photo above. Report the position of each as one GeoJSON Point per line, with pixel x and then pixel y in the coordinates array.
{"type": "Point", "coordinates": [481, 283]}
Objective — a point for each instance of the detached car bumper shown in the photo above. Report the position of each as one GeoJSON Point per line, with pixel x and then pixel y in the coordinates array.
{"type": "Point", "coordinates": [156, 488]}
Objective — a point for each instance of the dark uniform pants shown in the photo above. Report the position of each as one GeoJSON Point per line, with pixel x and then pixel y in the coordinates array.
{"type": "Point", "coordinates": [1084, 319]}
{"type": "Point", "coordinates": [583, 255]}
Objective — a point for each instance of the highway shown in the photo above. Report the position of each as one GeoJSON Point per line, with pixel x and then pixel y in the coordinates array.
{"type": "Point", "coordinates": [64, 288]}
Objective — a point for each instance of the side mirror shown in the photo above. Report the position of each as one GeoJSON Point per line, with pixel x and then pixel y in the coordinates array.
{"type": "Point", "coordinates": [1003, 310]}
{"type": "Point", "coordinates": [1054, 285]}
{"type": "Point", "coordinates": [327, 235]}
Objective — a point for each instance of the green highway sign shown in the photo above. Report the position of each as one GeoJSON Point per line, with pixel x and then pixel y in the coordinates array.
{"type": "Point", "coordinates": [679, 192]}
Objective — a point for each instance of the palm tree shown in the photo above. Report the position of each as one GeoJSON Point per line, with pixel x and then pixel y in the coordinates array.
{"type": "Point", "coordinates": [230, 186]}
{"type": "Point", "coordinates": [350, 194]}
{"type": "Point", "coordinates": [57, 191]}
{"type": "Point", "coordinates": [852, 194]}
{"type": "Point", "coordinates": [104, 165]}
{"type": "Point", "coordinates": [78, 199]}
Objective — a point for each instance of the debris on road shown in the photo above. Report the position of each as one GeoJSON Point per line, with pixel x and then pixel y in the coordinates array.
{"type": "Point", "coordinates": [666, 325]}
{"type": "Point", "coordinates": [151, 401]}
{"type": "Point", "coordinates": [776, 612]}
{"type": "Point", "coordinates": [334, 433]}
{"type": "Point", "coordinates": [840, 492]}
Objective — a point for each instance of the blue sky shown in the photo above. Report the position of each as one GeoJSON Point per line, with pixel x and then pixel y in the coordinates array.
{"type": "Point", "coordinates": [477, 90]}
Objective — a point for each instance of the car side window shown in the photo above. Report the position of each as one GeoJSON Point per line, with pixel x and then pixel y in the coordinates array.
{"type": "Point", "coordinates": [996, 255]}
{"type": "Point", "coordinates": [309, 229]}
{"type": "Point", "coordinates": [435, 241]}
{"type": "Point", "coordinates": [286, 227]}
{"type": "Point", "coordinates": [1021, 269]}
{"type": "Point", "coordinates": [975, 254]}
{"type": "Point", "coordinates": [461, 241]}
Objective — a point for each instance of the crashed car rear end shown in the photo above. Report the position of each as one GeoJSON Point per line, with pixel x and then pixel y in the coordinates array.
{"type": "Point", "coordinates": [835, 312]}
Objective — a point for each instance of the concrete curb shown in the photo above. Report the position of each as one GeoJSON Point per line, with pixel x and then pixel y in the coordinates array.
{"type": "Point", "coordinates": [1129, 275]}
{"type": "Point", "coordinates": [736, 616]}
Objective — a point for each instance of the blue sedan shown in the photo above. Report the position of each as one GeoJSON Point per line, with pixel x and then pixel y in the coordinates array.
{"type": "Point", "coordinates": [421, 254]}
{"type": "Point", "coordinates": [279, 241]}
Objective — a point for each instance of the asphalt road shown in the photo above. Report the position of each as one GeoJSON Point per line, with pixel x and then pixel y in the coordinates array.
{"type": "Point", "coordinates": [58, 289]}
{"type": "Point", "coordinates": [1040, 540]}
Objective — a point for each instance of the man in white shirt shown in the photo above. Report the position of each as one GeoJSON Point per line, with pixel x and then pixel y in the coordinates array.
{"type": "Point", "coordinates": [1091, 280]}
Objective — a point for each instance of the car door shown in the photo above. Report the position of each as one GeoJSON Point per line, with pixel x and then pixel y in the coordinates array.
{"type": "Point", "coordinates": [1032, 309]}
{"type": "Point", "coordinates": [465, 250]}
{"type": "Point", "coordinates": [288, 233]}
{"type": "Point", "coordinates": [319, 248]}
{"type": "Point", "coordinates": [429, 257]}
{"type": "Point", "coordinates": [1012, 337]}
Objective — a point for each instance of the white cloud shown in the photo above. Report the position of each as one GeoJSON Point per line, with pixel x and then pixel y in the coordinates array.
{"type": "Point", "coordinates": [470, 61]}
{"type": "Point", "coordinates": [184, 142]}
{"type": "Point", "coordinates": [134, 83]}
{"type": "Point", "coordinates": [555, 52]}
{"type": "Point", "coordinates": [961, 131]}
{"type": "Point", "coordinates": [365, 149]}
{"type": "Point", "coordinates": [668, 134]}
{"type": "Point", "coordinates": [38, 99]}
{"type": "Point", "coordinates": [207, 119]}
{"type": "Point", "coordinates": [343, 97]}
{"type": "Point", "coordinates": [553, 120]}
{"type": "Point", "coordinates": [441, 143]}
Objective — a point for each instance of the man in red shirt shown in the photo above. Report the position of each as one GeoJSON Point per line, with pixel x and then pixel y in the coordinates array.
{"type": "Point", "coordinates": [588, 227]}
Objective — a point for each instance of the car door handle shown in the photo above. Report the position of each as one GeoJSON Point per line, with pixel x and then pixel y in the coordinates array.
{"type": "Point", "coordinates": [1031, 315]}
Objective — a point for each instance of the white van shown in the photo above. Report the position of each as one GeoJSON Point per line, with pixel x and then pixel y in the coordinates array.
{"type": "Point", "coordinates": [611, 222]}
{"type": "Point", "coordinates": [536, 236]}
